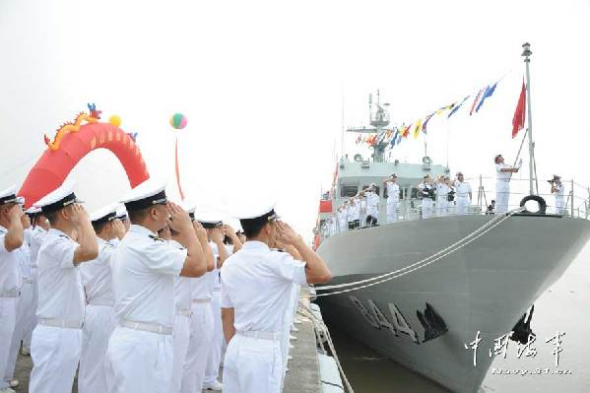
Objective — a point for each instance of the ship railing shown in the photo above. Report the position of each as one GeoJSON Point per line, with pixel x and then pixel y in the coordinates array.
{"type": "Point", "coordinates": [575, 202]}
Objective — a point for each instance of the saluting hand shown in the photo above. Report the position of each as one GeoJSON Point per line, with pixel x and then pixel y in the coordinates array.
{"type": "Point", "coordinates": [118, 229]}
{"type": "Point", "coordinates": [79, 215]}
{"type": "Point", "coordinates": [200, 231]}
{"type": "Point", "coordinates": [179, 220]}
{"type": "Point", "coordinates": [217, 235]}
{"type": "Point", "coordinates": [286, 234]}
{"type": "Point", "coordinates": [15, 213]}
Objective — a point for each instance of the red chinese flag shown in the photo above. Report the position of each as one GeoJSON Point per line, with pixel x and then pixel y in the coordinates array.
{"type": "Point", "coordinates": [518, 120]}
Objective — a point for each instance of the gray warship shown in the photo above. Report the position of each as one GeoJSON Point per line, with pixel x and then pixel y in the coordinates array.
{"type": "Point", "coordinates": [430, 317]}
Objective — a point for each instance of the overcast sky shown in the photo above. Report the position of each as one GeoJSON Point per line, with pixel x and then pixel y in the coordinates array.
{"type": "Point", "coordinates": [267, 86]}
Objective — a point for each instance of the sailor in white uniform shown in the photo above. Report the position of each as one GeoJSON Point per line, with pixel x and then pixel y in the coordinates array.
{"type": "Point", "coordinates": [426, 193]}
{"type": "Point", "coordinates": [442, 196]}
{"type": "Point", "coordinates": [35, 236]}
{"type": "Point", "coordinates": [463, 193]}
{"type": "Point", "coordinates": [353, 213]}
{"type": "Point", "coordinates": [392, 197]}
{"type": "Point", "coordinates": [139, 354]}
{"type": "Point", "coordinates": [255, 287]}
{"type": "Point", "coordinates": [218, 341]}
{"type": "Point", "coordinates": [503, 174]}
{"type": "Point", "coordinates": [342, 219]}
{"type": "Point", "coordinates": [12, 237]}
{"type": "Point", "coordinates": [558, 191]}
{"type": "Point", "coordinates": [372, 205]}
{"type": "Point", "coordinates": [100, 319]}
{"type": "Point", "coordinates": [25, 301]}
{"type": "Point", "coordinates": [57, 338]}
{"type": "Point", "coordinates": [201, 321]}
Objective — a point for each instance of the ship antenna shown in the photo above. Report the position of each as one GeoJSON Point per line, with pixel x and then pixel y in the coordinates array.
{"type": "Point", "coordinates": [526, 53]}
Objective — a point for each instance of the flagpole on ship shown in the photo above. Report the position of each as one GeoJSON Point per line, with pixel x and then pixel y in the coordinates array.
{"type": "Point", "coordinates": [526, 53]}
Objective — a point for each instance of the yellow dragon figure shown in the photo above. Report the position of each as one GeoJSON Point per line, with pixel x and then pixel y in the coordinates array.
{"type": "Point", "coordinates": [73, 127]}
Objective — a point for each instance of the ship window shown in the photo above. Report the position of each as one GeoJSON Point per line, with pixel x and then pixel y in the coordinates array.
{"type": "Point", "coordinates": [348, 190]}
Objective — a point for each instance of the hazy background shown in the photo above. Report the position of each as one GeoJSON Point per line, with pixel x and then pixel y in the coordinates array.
{"type": "Point", "coordinates": [268, 86]}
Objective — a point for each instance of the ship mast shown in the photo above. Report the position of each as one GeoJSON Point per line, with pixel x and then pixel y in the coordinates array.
{"type": "Point", "coordinates": [379, 119]}
{"type": "Point", "coordinates": [526, 53]}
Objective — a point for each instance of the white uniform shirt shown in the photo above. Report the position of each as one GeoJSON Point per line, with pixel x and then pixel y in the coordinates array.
{"type": "Point", "coordinates": [36, 237]}
{"type": "Point", "coordinates": [353, 211]}
{"type": "Point", "coordinates": [257, 283]}
{"type": "Point", "coordinates": [502, 176]}
{"type": "Point", "coordinates": [61, 295]}
{"type": "Point", "coordinates": [442, 191]}
{"type": "Point", "coordinates": [559, 192]}
{"type": "Point", "coordinates": [392, 190]}
{"type": "Point", "coordinates": [96, 275]}
{"type": "Point", "coordinates": [203, 286]}
{"type": "Point", "coordinates": [372, 203]}
{"type": "Point", "coordinates": [144, 269]}
{"type": "Point", "coordinates": [425, 187]}
{"type": "Point", "coordinates": [182, 286]}
{"type": "Point", "coordinates": [10, 280]}
{"type": "Point", "coordinates": [463, 189]}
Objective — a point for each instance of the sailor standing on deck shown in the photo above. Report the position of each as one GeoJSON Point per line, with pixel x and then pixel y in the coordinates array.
{"type": "Point", "coordinates": [392, 197]}
{"type": "Point", "coordinates": [139, 355]}
{"type": "Point", "coordinates": [342, 221]}
{"type": "Point", "coordinates": [557, 190]}
{"type": "Point", "coordinates": [464, 195]}
{"type": "Point", "coordinates": [503, 174]}
{"type": "Point", "coordinates": [100, 319]}
{"type": "Point", "coordinates": [372, 205]}
{"type": "Point", "coordinates": [353, 213]}
{"type": "Point", "coordinates": [442, 196]}
{"type": "Point", "coordinates": [12, 238]}
{"type": "Point", "coordinates": [255, 287]}
{"type": "Point", "coordinates": [57, 339]}
{"type": "Point", "coordinates": [426, 193]}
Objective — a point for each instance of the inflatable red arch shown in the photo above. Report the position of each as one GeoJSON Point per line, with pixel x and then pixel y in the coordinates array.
{"type": "Point", "coordinates": [74, 141]}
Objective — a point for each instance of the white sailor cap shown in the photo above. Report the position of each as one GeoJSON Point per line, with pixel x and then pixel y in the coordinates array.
{"type": "Point", "coordinates": [208, 220]}
{"type": "Point", "coordinates": [190, 208]}
{"type": "Point", "coordinates": [149, 193]}
{"type": "Point", "coordinates": [121, 212]}
{"type": "Point", "coordinates": [59, 198]}
{"type": "Point", "coordinates": [104, 214]}
{"type": "Point", "coordinates": [8, 196]}
{"type": "Point", "coordinates": [257, 215]}
{"type": "Point", "coordinates": [33, 210]}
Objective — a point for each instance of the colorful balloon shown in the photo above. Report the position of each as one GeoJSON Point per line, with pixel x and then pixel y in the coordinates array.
{"type": "Point", "coordinates": [115, 120]}
{"type": "Point", "coordinates": [178, 121]}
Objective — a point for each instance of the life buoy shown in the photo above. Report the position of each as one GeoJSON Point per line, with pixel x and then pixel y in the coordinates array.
{"type": "Point", "coordinates": [540, 201]}
{"type": "Point", "coordinates": [426, 160]}
{"type": "Point", "coordinates": [358, 158]}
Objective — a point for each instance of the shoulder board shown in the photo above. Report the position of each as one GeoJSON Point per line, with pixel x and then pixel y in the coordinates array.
{"type": "Point", "coordinates": [156, 238]}
{"type": "Point", "coordinates": [64, 236]}
{"type": "Point", "coordinates": [3, 231]}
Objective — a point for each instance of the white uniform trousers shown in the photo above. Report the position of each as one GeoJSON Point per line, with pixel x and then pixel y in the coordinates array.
{"type": "Point", "coordinates": [138, 361]}
{"type": "Point", "coordinates": [391, 209]}
{"type": "Point", "coordinates": [32, 319]}
{"type": "Point", "coordinates": [200, 340]}
{"type": "Point", "coordinates": [7, 324]}
{"type": "Point", "coordinates": [180, 339]}
{"type": "Point", "coordinates": [252, 365]}
{"type": "Point", "coordinates": [99, 324]}
{"type": "Point", "coordinates": [427, 207]}
{"type": "Point", "coordinates": [214, 360]}
{"type": "Point", "coordinates": [559, 205]}
{"type": "Point", "coordinates": [502, 196]}
{"type": "Point", "coordinates": [442, 206]}
{"type": "Point", "coordinates": [343, 225]}
{"type": "Point", "coordinates": [23, 306]}
{"type": "Point", "coordinates": [56, 353]}
{"type": "Point", "coordinates": [462, 205]}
